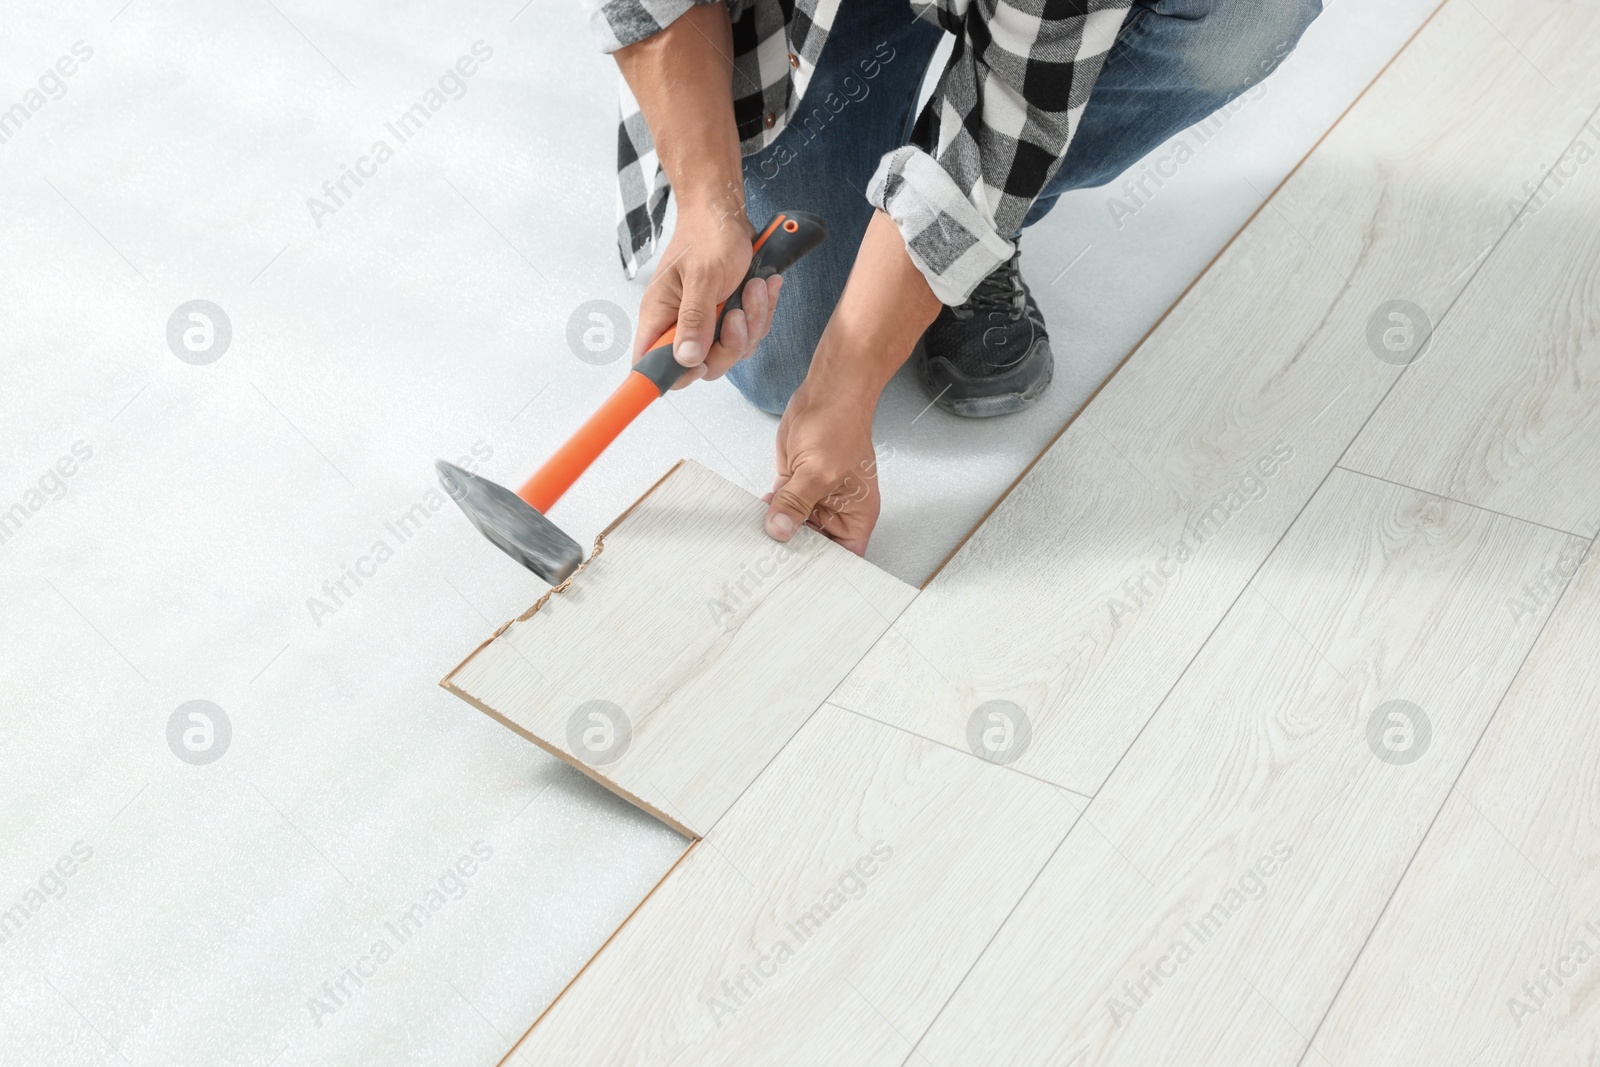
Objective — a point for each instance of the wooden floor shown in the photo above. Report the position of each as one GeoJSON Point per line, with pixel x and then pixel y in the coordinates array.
{"type": "Point", "coordinates": [1259, 724]}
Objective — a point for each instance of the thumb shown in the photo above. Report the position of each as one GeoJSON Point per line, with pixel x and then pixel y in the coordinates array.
{"type": "Point", "coordinates": [697, 313]}
{"type": "Point", "coordinates": [658, 310]}
{"type": "Point", "coordinates": [792, 501]}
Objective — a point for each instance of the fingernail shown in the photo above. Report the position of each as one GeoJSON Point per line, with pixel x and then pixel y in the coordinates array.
{"type": "Point", "coordinates": [689, 353]}
{"type": "Point", "coordinates": [780, 526]}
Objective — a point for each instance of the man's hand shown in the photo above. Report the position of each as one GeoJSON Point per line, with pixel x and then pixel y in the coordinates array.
{"type": "Point", "coordinates": [827, 472]}
{"type": "Point", "coordinates": [703, 263]}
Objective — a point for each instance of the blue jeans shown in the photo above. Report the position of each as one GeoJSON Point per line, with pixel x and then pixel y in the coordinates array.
{"type": "Point", "coordinates": [1175, 62]}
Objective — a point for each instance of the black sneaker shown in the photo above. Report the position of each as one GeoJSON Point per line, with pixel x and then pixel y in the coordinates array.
{"type": "Point", "coordinates": [991, 355]}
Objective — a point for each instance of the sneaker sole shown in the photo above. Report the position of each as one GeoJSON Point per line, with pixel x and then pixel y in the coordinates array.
{"type": "Point", "coordinates": [984, 407]}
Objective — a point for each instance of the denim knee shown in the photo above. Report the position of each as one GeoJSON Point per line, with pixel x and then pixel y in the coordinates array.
{"type": "Point", "coordinates": [768, 388]}
{"type": "Point", "coordinates": [1239, 42]}
{"type": "Point", "coordinates": [769, 377]}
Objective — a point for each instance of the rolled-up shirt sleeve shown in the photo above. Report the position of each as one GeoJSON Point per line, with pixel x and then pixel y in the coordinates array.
{"type": "Point", "coordinates": [619, 23]}
{"type": "Point", "coordinates": [994, 132]}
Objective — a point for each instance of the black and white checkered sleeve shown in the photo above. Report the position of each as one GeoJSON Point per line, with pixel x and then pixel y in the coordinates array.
{"type": "Point", "coordinates": [619, 23]}
{"type": "Point", "coordinates": [994, 132]}
{"type": "Point", "coordinates": [775, 48]}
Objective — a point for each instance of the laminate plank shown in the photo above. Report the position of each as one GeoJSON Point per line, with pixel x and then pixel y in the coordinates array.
{"type": "Point", "coordinates": [1104, 569]}
{"type": "Point", "coordinates": [709, 640]}
{"type": "Point", "coordinates": [1489, 952]}
{"type": "Point", "coordinates": [1216, 891]}
{"type": "Point", "coordinates": [824, 919]}
{"type": "Point", "coordinates": [1509, 387]}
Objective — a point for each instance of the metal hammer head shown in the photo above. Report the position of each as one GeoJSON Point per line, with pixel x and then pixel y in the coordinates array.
{"type": "Point", "coordinates": [513, 525]}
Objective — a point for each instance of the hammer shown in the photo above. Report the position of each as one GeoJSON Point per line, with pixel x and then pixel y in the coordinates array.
{"type": "Point", "coordinates": [515, 522]}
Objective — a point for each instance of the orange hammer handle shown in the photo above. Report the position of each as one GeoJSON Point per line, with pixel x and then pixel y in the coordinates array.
{"type": "Point", "coordinates": [789, 236]}
{"type": "Point", "coordinates": [573, 458]}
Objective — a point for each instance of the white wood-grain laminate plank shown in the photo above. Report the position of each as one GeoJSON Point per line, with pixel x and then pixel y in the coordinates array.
{"type": "Point", "coordinates": [1097, 578]}
{"type": "Point", "coordinates": [1212, 896]}
{"type": "Point", "coordinates": [1502, 409]}
{"type": "Point", "coordinates": [824, 920]}
{"type": "Point", "coordinates": [714, 642]}
{"type": "Point", "coordinates": [1489, 952]}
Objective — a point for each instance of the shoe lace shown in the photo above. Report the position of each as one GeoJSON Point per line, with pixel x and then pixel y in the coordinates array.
{"type": "Point", "coordinates": [1001, 291]}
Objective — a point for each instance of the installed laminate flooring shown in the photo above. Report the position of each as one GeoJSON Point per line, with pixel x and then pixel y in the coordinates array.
{"type": "Point", "coordinates": [824, 919]}
{"type": "Point", "coordinates": [1097, 578]}
{"type": "Point", "coordinates": [1218, 888]}
{"type": "Point", "coordinates": [1489, 952]}
{"type": "Point", "coordinates": [1509, 387]}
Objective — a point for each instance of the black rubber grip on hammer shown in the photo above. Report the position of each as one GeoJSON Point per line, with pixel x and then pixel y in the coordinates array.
{"type": "Point", "coordinates": [782, 249]}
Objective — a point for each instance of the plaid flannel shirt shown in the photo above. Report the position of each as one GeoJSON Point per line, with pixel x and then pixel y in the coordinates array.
{"type": "Point", "coordinates": [994, 132]}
